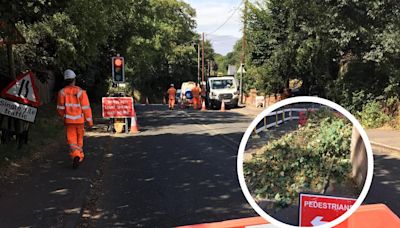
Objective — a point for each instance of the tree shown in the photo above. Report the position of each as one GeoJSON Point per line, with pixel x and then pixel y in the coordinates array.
{"type": "Point", "coordinates": [155, 37]}
{"type": "Point", "coordinates": [337, 48]}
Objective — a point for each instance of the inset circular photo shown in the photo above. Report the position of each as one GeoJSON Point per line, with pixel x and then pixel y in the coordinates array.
{"type": "Point", "coordinates": [305, 161]}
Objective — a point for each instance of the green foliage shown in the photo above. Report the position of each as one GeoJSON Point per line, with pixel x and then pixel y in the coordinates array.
{"type": "Point", "coordinates": [156, 38]}
{"type": "Point", "coordinates": [337, 48]}
{"type": "Point", "coordinates": [231, 58]}
{"type": "Point", "coordinates": [29, 11]}
{"type": "Point", "coordinates": [301, 160]}
{"type": "Point", "coordinates": [372, 115]}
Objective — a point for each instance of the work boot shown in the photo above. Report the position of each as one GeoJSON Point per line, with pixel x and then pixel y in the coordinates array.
{"type": "Point", "coordinates": [76, 162]}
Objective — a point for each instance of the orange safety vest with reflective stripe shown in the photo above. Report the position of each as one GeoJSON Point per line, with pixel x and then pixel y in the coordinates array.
{"type": "Point", "coordinates": [171, 92]}
{"type": "Point", "coordinates": [196, 92]}
{"type": "Point", "coordinates": [73, 105]}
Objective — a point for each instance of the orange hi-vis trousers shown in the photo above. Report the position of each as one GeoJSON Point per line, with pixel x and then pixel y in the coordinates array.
{"type": "Point", "coordinates": [75, 134]}
{"type": "Point", "coordinates": [196, 102]}
{"type": "Point", "coordinates": [171, 102]}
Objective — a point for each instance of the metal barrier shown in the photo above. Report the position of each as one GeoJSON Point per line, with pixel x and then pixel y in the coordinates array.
{"type": "Point", "coordinates": [286, 115]}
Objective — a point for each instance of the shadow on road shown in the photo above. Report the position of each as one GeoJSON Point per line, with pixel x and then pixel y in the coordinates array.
{"type": "Point", "coordinates": [385, 187]}
{"type": "Point", "coordinates": [181, 179]}
{"type": "Point", "coordinates": [177, 172]}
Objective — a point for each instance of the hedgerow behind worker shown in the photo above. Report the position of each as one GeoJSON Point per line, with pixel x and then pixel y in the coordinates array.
{"type": "Point", "coordinates": [74, 107]}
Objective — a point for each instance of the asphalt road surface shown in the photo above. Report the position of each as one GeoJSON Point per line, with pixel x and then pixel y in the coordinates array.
{"type": "Point", "coordinates": [180, 170]}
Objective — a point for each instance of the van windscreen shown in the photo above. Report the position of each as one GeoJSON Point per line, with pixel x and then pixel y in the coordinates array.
{"type": "Point", "coordinates": [222, 84]}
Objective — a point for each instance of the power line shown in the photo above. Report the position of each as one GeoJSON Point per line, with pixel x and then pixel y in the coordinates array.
{"type": "Point", "coordinates": [226, 21]}
{"type": "Point", "coordinates": [222, 38]}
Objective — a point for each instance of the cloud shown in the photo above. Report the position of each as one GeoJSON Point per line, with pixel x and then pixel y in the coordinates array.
{"type": "Point", "coordinates": [222, 43]}
{"type": "Point", "coordinates": [211, 15]}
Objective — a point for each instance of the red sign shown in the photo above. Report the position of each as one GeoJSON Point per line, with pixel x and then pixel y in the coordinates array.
{"type": "Point", "coordinates": [315, 210]}
{"type": "Point", "coordinates": [118, 107]}
{"type": "Point", "coordinates": [23, 89]}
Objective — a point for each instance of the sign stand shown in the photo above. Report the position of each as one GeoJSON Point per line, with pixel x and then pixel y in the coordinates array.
{"type": "Point", "coordinates": [126, 126]}
{"type": "Point", "coordinates": [21, 113]}
{"type": "Point", "coordinates": [120, 109]}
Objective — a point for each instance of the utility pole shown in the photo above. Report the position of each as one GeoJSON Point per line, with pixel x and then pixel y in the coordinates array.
{"type": "Point", "coordinates": [11, 64]}
{"type": "Point", "coordinates": [198, 61]}
{"type": "Point", "coordinates": [242, 59]}
{"type": "Point", "coordinates": [202, 58]}
{"type": "Point", "coordinates": [208, 68]}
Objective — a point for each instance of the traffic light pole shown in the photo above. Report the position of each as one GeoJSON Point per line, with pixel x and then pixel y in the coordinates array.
{"type": "Point", "coordinates": [118, 78]}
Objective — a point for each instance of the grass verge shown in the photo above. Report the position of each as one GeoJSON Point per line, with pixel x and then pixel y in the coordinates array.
{"type": "Point", "coordinates": [47, 132]}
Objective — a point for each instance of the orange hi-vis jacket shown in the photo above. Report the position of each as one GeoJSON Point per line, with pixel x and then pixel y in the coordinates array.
{"type": "Point", "coordinates": [73, 105]}
{"type": "Point", "coordinates": [196, 92]}
{"type": "Point", "coordinates": [171, 92]}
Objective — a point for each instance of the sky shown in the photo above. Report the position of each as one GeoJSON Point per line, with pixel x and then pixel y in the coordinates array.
{"type": "Point", "coordinates": [211, 14]}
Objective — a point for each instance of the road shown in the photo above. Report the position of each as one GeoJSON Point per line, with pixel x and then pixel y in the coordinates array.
{"type": "Point", "coordinates": [181, 169]}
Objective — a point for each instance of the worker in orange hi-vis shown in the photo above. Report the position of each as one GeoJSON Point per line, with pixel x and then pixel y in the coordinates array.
{"type": "Point", "coordinates": [171, 97]}
{"type": "Point", "coordinates": [196, 96]}
{"type": "Point", "coordinates": [203, 94]}
{"type": "Point", "coordinates": [74, 107]}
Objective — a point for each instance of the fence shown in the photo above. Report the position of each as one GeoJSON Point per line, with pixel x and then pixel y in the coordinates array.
{"type": "Point", "coordinates": [280, 117]}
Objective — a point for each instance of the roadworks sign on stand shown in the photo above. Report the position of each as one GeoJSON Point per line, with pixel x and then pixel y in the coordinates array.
{"type": "Point", "coordinates": [315, 210]}
{"type": "Point", "coordinates": [17, 110]}
{"type": "Point", "coordinates": [23, 90]}
{"type": "Point", "coordinates": [118, 107]}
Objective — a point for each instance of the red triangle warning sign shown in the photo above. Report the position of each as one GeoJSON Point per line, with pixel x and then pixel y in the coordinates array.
{"type": "Point", "coordinates": [23, 89]}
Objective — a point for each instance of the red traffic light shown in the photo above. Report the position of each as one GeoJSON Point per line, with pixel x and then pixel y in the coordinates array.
{"type": "Point", "coordinates": [117, 62]}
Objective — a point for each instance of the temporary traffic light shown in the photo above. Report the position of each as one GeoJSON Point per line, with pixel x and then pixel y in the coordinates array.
{"type": "Point", "coordinates": [118, 69]}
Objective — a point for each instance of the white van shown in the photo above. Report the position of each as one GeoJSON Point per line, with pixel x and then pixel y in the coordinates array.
{"type": "Point", "coordinates": [220, 89]}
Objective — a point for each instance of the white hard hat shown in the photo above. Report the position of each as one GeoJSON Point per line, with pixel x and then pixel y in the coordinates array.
{"type": "Point", "coordinates": [171, 84]}
{"type": "Point", "coordinates": [69, 74]}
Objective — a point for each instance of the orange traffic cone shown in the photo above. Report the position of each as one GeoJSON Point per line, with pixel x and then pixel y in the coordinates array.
{"type": "Point", "coordinates": [134, 126]}
{"type": "Point", "coordinates": [203, 106]}
{"type": "Point", "coordinates": [223, 107]}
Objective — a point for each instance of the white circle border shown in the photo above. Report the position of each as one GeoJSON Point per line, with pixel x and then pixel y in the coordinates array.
{"type": "Point", "coordinates": [305, 99]}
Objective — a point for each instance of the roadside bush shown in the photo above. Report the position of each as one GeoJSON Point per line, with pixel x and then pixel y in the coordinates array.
{"type": "Point", "coordinates": [301, 161]}
{"type": "Point", "coordinates": [373, 115]}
